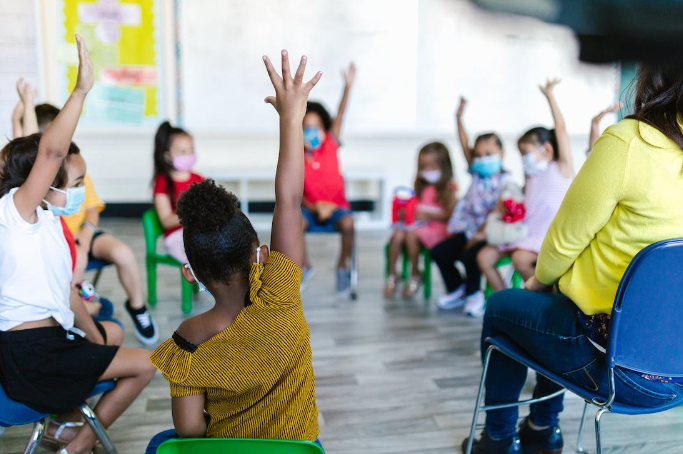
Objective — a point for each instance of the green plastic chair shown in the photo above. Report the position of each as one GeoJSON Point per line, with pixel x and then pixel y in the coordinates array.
{"type": "Point", "coordinates": [512, 279]}
{"type": "Point", "coordinates": [153, 230]}
{"type": "Point", "coordinates": [237, 446]}
{"type": "Point", "coordinates": [405, 268]}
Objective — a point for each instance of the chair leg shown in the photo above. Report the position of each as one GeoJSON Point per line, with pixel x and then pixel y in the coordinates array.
{"type": "Point", "coordinates": [354, 272]}
{"type": "Point", "coordinates": [186, 295]}
{"type": "Point", "coordinates": [427, 274]}
{"type": "Point", "coordinates": [36, 435]}
{"type": "Point", "coordinates": [96, 426]}
{"type": "Point", "coordinates": [387, 269]}
{"type": "Point", "coordinates": [480, 394]}
{"type": "Point", "coordinates": [96, 279]}
{"type": "Point", "coordinates": [405, 271]}
{"type": "Point", "coordinates": [582, 426]}
{"type": "Point", "coordinates": [598, 434]}
{"type": "Point", "coordinates": [151, 282]}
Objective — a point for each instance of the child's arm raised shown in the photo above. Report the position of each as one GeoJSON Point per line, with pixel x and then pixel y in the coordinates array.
{"type": "Point", "coordinates": [564, 161]}
{"type": "Point", "coordinates": [462, 133]}
{"type": "Point", "coordinates": [55, 142]}
{"type": "Point", "coordinates": [349, 77]}
{"type": "Point", "coordinates": [29, 120]}
{"type": "Point", "coordinates": [595, 124]}
{"type": "Point", "coordinates": [290, 98]}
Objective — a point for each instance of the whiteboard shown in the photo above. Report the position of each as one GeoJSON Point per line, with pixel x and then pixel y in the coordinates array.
{"type": "Point", "coordinates": [414, 59]}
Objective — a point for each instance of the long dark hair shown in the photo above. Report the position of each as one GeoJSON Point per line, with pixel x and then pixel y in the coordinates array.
{"type": "Point", "coordinates": [445, 186]}
{"type": "Point", "coordinates": [541, 135]}
{"type": "Point", "coordinates": [162, 143]}
{"type": "Point", "coordinates": [18, 158]}
{"type": "Point", "coordinates": [659, 99]}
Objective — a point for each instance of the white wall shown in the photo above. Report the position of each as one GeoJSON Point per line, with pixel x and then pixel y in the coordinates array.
{"type": "Point", "coordinates": [450, 48]}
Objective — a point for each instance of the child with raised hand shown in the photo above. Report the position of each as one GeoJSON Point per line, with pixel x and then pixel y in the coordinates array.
{"type": "Point", "coordinates": [485, 161]}
{"type": "Point", "coordinates": [595, 124]}
{"type": "Point", "coordinates": [51, 353]}
{"type": "Point", "coordinates": [549, 170]}
{"type": "Point", "coordinates": [324, 207]}
{"type": "Point", "coordinates": [174, 159]}
{"type": "Point", "coordinates": [247, 361]}
{"type": "Point", "coordinates": [24, 121]}
{"type": "Point", "coordinates": [435, 189]}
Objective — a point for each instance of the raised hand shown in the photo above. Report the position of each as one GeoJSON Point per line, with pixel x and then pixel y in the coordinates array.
{"type": "Point", "coordinates": [26, 91]}
{"type": "Point", "coordinates": [86, 77]}
{"type": "Point", "coordinates": [611, 109]}
{"type": "Point", "coordinates": [291, 93]}
{"type": "Point", "coordinates": [461, 107]}
{"type": "Point", "coordinates": [547, 89]}
{"type": "Point", "coordinates": [350, 74]}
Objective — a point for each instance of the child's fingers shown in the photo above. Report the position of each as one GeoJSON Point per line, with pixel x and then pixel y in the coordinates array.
{"type": "Point", "coordinates": [299, 76]}
{"type": "Point", "coordinates": [311, 83]}
{"type": "Point", "coordinates": [270, 100]}
{"type": "Point", "coordinates": [286, 74]}
{"type": "Point", "coordinates": [274, 76]}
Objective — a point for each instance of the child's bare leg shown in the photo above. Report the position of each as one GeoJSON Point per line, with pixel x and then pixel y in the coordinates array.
{"type": "Point", "coordinates": [108, 248]}
{"type": "Point", "coordinates": [133, 371]}
{"type": "Point", "coordinates": [487, 259]}
{"type": "Point", "coordinates": [413, 245]}
{"type": "Point", "coordinates": [114, 333]}
{"type": "Point", "coordinates": [524, 261]}
{"type": "Point", "coordinates": [345, 227]}
{"type": "Point", "coordinates": [398, 238]}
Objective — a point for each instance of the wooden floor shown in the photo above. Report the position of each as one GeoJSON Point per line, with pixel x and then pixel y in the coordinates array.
{"type": "Point", "coordinates": [391, 376]}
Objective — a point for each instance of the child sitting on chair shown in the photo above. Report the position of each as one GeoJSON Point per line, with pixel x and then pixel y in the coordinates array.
{"type": "Point", "coordinates": [243, 369]}
{"type": "Point", "coordinates": [435, 190]}
{"type": "Point", "coordinates": [324, 207]}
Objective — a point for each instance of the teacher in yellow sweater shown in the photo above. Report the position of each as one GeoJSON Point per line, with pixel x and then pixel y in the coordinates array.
{"type": "Point", "coordinates": [627, 196]}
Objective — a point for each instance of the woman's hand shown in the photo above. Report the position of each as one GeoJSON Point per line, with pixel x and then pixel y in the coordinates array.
{"type": "Point", "coordinates": [535, 285]}
{"type": "Point", "coordinates": [547, 89]}
{"type": "Point", "coordinates": [291, 94]}
{"type": "Point", "coordinates": [86, 75]}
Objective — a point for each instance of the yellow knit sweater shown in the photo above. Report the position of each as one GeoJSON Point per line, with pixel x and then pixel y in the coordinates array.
{"type": "Point", "coordinates": [257, 374]}
{"type": "Point", "coordinates": [628, 195]}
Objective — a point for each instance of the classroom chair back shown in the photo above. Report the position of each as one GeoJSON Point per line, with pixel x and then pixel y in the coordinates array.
{"type": "Point", "coordinates": [237, 446]}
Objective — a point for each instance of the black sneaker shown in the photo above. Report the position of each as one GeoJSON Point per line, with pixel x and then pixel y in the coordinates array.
{"type": "Point", "coordinates": [544, 441]}
{"type": "Point", "coordinates": [146, 329]}
{"type": "Point", "coordinates": [487, 445]}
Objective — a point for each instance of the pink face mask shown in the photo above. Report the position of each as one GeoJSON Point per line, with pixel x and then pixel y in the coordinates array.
{"type": "Point", "coordinates": [184, 163]}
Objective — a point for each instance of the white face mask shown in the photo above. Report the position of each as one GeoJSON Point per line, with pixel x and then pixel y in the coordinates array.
{"type": "Point", "coordinates": [532, 166]}
{"type": "Point", "coordinates": [202, 287]}
{"type": "Point", "coordinates": [258, 255]}
{"type": "Point", "coordinates": [431, 176]}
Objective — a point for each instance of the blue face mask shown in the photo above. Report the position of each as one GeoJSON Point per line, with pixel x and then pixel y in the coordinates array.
{"type": "Point", "coordinates": [75, 197]}
{"type": "Point", "coordinates": [312, 138]}
{"type": "Point", "coordinates": [487, 165]}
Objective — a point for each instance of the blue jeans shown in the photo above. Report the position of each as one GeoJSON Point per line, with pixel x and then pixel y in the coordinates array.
{"type": "Point", "coordinates": [170, 434]}
{"type": "Point", "coordinates": [328, 225]}
{"type": "Point", "coordinates": [545, 326]}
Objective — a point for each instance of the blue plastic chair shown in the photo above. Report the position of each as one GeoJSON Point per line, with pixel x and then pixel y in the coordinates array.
{"type": "Point", "coordinates": [97, 266]}
{"type": "Point", "coordinates": [13, 413]}
{"type": "Point", "coordinates": [648, 296]}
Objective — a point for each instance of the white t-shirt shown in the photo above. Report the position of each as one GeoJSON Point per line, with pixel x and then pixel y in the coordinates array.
{"type": "Point", "coordinates": [35, 268]}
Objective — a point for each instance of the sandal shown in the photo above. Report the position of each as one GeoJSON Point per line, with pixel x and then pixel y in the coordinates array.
{"type": "Point", "coordinates": [390, 286]}
{"type": "Point", "coordinates": [54, 441]}
{"type": "Point", "coordinates": [412, 287]}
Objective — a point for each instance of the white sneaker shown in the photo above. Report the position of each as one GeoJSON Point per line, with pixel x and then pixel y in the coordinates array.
{"type": "Point", "coordinates": [305, 278]}
{"type": "Point", "coordinates": [474, 304]}
{"type": "Point", "coordinates": [452, 300]}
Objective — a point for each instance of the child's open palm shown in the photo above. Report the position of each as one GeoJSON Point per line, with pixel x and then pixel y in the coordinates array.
{"type": "Point", "coordinates": [350, 74]}
{"type": "Point", "coordinates": [291, 93]}
{"type": "Point", "coordinates": [547, 89]}
{"type": "Point", "coordinates": [86, 77]}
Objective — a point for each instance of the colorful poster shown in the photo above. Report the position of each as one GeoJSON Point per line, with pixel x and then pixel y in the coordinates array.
{"type": "Point", "coordinates": [123, 38]}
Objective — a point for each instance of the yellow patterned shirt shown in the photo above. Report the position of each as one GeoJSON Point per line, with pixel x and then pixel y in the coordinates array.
{"type": "Point", "coordinates": [257, 374]}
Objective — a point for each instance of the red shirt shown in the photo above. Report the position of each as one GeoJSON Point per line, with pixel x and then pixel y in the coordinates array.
{"type": "Point", "coordinates": [71, 241]}
{"type": "Point", "coordinates": [160, 187]}
{"type": "Point", "coordinates": [322, 180]}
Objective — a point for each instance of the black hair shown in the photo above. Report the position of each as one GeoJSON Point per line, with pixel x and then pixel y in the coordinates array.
{"type": "Point", "coordinates": [162, 143]}
{"type": "Point", "coordinates": [319, 109]}
{"type": "Point", "coordinates": [541, 136]}
{"type": "Point", "coordinates": [659, 99]}
{"type": "Point", "coordinates": [46, 114]}
{"type": "Point", "coordinates": [19, 156]}
{"type": "Point", "coordinates": [487, 136]}
{"type": "Point", "coordinates": [219, 239]}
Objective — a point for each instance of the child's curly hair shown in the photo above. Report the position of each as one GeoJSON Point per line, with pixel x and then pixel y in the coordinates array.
{"type": "Point", "coordinates": [219, 239]}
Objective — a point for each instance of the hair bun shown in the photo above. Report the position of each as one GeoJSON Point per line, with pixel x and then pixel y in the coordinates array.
{"type": "Point", "coordinates": [206, 207]}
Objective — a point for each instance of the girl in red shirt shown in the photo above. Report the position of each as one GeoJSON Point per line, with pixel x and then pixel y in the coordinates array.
{"type": "Point", "coordinates": [174, 159]}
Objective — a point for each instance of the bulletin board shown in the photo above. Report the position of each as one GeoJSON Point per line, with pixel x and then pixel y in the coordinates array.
{"type": "Point", "coordinates": [124, 39]}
